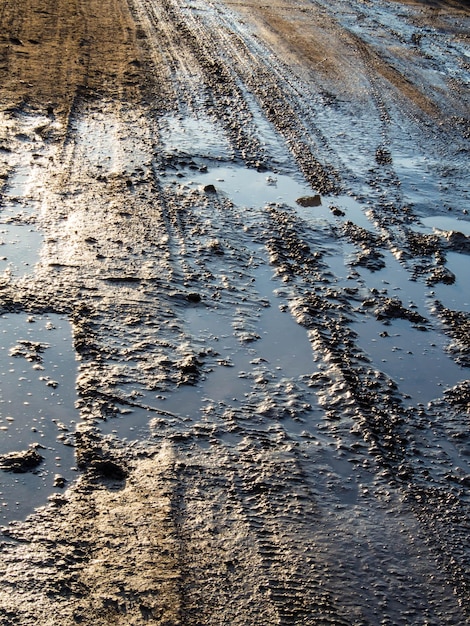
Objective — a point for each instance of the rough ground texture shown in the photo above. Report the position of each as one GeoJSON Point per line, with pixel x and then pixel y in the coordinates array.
{"type": "Point", "coordinates": [253, 495]}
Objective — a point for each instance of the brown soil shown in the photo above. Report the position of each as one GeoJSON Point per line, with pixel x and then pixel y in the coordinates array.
{"type": "Point", "coordinates": [52, 49]}
{"type": "Point", "coordinates": [310, 38]}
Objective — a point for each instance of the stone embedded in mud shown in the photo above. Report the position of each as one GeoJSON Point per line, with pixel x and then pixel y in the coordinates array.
{"type": "Point", "coordinates": [59, 481]}
{"type": "Point", "coordinates": [309, 201]}
{"type": "Point", "coordinates": [193, 297]}
{"type": "Point", "coordinates": [20, 462]}
{"type": "Point", "coordinates": [337, 212]}
{"type": "Point", "coordinates": [210, 189]}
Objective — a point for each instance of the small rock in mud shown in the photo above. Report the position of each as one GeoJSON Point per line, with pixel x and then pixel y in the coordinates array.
{"type": "Point", "coordinates": [181, 296]}
{"type": "Point", "coordinates": [20, 462]}
{"type": "Point", "coordinates": [193, 297]}
{"type": "Point", "coordinates": [59, 481]}
{"type": "Point", "coordinates": [337, 212]}
{"type": "Point", "coordinates": [309, 201]}
{"type": "Point", "coordinates": [210, 189]}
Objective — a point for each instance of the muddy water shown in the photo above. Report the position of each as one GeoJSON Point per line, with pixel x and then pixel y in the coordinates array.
{"type": "Point", "coordinates": [416, 360]}
{"type": "Point", "coordinates": [245, 330]}
{"type": "Point", "coordinates": [279, 346]}
{"type": "Point", "coordinates": [19, 248]}
{"type": "Point", "coordinates": [37, 395]}
{"type": "Point", "coordinates": [446, 223]}
{"type": "Point", "coordinates": [20, 239]}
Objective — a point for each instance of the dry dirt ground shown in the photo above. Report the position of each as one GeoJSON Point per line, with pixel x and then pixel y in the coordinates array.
{"type": "Point", "coordinates": [254, 493]}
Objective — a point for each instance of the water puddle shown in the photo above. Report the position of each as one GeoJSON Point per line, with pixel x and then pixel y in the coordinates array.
{"type": "Point", "coordinates": [37, 395]}
{"type": "Point", "coordinates": [249, 188]}
{"type": "Point", "coordinates": [20, 182]}
{"type": "Point", "coordinates": [19, 248]}
{"type": "Point", "coordinates": [394, 281]}
{"type": "Point", "coordinates": [281, 351]}
{"type": "Point", "coordinates": [447, 223]}
{"type": "Point", "coordinates": [338, 263]}
{"type": "Point", "coordinates": [282, 347]}
{"type": "Point", "coordinates": [457, 295]}
{"type": "Point", "coordinates": [23, 189]}
{"type": "Point", "coordinates": [201, 137]}
{"type": "Point", "coordinates": [415, 360]}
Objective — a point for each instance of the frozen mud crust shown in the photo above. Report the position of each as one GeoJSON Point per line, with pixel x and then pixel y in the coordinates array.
{"type": "Point", "coordinates": [255, 221]}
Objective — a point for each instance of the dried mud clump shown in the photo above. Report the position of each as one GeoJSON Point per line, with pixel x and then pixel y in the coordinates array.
{"type": "Point", "coordinates": [392, 308]}
{"type": "Point", "coordinates": [20, 462]}
{"type": "Point", "coordinates": [457, 326]}
{"type": "Point", "coordinates": [423, 245]}
{"type": "Point", "coordinates": [442, 275]}
{"type": "Point", "coordinates": [457, 241]}
{"type": "Point", "coordinates": [459, 395]}
{"type": "Point", "coordinates": [369, 255]}
{"type": "Point", "coordinates": [189, 370]}
{"type": "Point", "coordinates": [383, 156]}
{"type": "Point", "coordinates": [29, 350]}
{"type": "Point", "coordinates": [433, 247]}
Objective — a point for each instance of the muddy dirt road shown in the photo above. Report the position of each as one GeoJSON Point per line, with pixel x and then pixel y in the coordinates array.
{"type": "Point", "coordinates": [234, 301]}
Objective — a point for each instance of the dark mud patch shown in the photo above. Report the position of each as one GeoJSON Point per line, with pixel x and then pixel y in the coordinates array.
{"type": "Point", "coordinates": [309, 201]}
{"type": "Point", "coordinates": [392, 308]}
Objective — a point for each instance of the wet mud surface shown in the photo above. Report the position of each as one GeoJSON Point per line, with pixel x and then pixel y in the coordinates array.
{"type": "Point", "coordinates": [234, 309]}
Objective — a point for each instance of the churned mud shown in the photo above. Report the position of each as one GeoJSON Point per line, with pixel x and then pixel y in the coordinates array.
{"type": "Point", "coordinates": [234, 310]}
